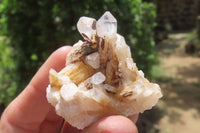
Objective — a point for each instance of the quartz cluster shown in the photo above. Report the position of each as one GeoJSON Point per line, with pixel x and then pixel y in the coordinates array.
{"type": "Point", "coordinates": [100, 77]}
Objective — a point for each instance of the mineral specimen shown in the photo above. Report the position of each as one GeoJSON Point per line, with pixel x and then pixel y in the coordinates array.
{"type": "Point", "coordinates": [100, 77]}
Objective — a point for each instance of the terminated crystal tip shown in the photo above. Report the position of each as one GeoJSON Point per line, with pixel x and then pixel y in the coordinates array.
{"type": "Point", "coordinates": [107, 25]}
{"type": "Point", "coordinates": [87, 26]}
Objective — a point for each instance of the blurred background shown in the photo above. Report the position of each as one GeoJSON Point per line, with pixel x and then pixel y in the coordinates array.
{"type": "Point", "coordinates": [164, 36]}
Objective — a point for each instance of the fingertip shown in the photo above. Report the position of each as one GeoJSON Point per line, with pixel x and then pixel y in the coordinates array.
{"type": "Point", "coordinates": [59, 56]}
{"type": "Point", "coordinates": [113, 124]}
{"type": "Point", "coordinates": [63, 50]}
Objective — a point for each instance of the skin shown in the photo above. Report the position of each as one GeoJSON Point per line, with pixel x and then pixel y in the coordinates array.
{"type": "Point", "coordinates": [31, 113]}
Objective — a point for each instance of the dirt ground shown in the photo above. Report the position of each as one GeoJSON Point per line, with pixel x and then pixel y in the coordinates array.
{"type": "Point", "coordinates": [180, 83]}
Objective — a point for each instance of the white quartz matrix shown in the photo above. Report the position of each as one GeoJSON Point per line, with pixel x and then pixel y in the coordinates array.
{"type": "Point", "coordinates": [100, 77]}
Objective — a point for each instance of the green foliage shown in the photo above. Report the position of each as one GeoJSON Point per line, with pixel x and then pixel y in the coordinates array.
{"type": "Point", "coordinates": [7, 73]}
{"type": "Point", "coordinates": [198, 29]}
{"type": "Point", "coordinates": [38, 27]}
{"type": "Point", "coordinates": [193, 38]}
{"type": "Point", "coordinates": [144, 15]}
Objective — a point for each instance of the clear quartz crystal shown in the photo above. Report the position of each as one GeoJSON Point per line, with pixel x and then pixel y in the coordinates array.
{"type": "Point", "coordinates": [87, 26]}
{"type": "Point", "coordinates": [107, 26]}
{"type": "Point", "coordinates": [97, 78]}
{"type": "Point", "coordinates": [129, 63]}
{"type": "Point", "coordinates": [109, 88]}
{"type": "Point", "coordinates": [93, 60]}
{"type": "Point", "coordinates": [66, 92]}
{"type": "Point", "coordinates": [148, 92]}
{"type": "Point", "coordinates": [122, 50]}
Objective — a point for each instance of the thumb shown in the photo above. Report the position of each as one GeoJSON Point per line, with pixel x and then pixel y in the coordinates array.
{"type": "Point", "coordinates": [112, 124]}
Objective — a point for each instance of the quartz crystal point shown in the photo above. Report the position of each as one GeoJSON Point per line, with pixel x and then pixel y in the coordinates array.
{"type": "Point", "coordinates": [87, 26]}
{"type": "Point", "coordinates": [107, 26]}
{"type": "Point", "coordinates": [100, 77]}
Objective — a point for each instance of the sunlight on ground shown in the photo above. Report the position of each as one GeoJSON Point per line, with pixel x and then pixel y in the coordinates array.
{"type": "Point", "coordinates": [180, 121]}
{"type": "Point", "coordinates": [180, 83]}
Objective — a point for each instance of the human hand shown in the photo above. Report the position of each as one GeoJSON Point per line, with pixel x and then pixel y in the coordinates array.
{"type": "Point", "coordinates": [31, 113]}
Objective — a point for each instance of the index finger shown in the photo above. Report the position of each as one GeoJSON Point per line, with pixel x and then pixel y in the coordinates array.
{"type": "Point", "coordinates": [31, 107]}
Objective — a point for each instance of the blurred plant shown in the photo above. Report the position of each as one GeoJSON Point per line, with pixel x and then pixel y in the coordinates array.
{"type": "Point", "coordinates": [8, 84]}
{"type": "Point", "coordinates": [192, 36]}
{"type": "Point", "coordinates": [35, 28]}
{"type": "Point", "coordinates": [198, 29]}
{"type": "Point", "coordinates": [143, 23]}
{"type": "Point", "coordinates": [193, 44]}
